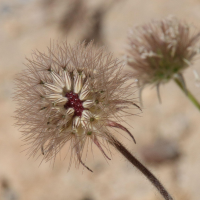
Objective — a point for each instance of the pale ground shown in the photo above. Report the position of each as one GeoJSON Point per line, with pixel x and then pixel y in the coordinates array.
{"type": "Point", "coordinates": [26, 25]}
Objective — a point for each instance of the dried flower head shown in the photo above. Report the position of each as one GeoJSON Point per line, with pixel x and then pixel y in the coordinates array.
{"type": "Point", "coordinates": [161, 50]}
{"type": "Point", "coordinates": [72, 94]}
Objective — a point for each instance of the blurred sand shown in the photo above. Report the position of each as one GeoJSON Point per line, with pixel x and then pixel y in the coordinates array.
{"type": "Point", "coordinates": [26, 25]}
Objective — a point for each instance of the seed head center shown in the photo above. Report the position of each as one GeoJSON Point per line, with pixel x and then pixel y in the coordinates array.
{"type": "Point", "coordinates": [75, 103]}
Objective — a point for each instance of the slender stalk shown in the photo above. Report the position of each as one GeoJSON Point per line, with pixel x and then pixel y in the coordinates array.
{"type": "Point", "coordinates": [188, 93]}
{"type": "Point", "coordinates": [142, 168]}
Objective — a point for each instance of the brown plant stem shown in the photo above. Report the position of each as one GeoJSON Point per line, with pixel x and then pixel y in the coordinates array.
{"type": "Point", "coordinates": [141, 167]}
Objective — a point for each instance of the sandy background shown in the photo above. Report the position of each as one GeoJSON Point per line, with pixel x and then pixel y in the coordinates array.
{"type": "Point", "coordinates": [167, 134]}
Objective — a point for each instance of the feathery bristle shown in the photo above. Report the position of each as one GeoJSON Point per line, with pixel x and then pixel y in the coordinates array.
{"type": "Point", "coordinates": [159, 50]}
{"type": "Point", "coordinates": [73, 103]}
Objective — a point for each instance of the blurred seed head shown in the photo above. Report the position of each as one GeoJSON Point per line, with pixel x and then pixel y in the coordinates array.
{"type": "Point", "coordinates": [161, 49]}
{"type": "Point", "coordinates": [72, 94]}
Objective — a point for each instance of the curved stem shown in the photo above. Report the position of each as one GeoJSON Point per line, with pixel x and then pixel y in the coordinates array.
{"type": "Point", "coordinates": [142, 168]}
{"type": "Point", "coordinates": [188, 93]}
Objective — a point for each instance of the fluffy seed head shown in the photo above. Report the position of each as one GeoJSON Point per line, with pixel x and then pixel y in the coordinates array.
{"type": "Point", "coordinates": [159, 50]}
{"type": "Point", "coordinates": [70, 95]}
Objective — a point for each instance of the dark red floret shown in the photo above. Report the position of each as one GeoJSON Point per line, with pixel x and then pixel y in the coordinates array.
{"type": "Point", "coordinates": [75, 103]}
